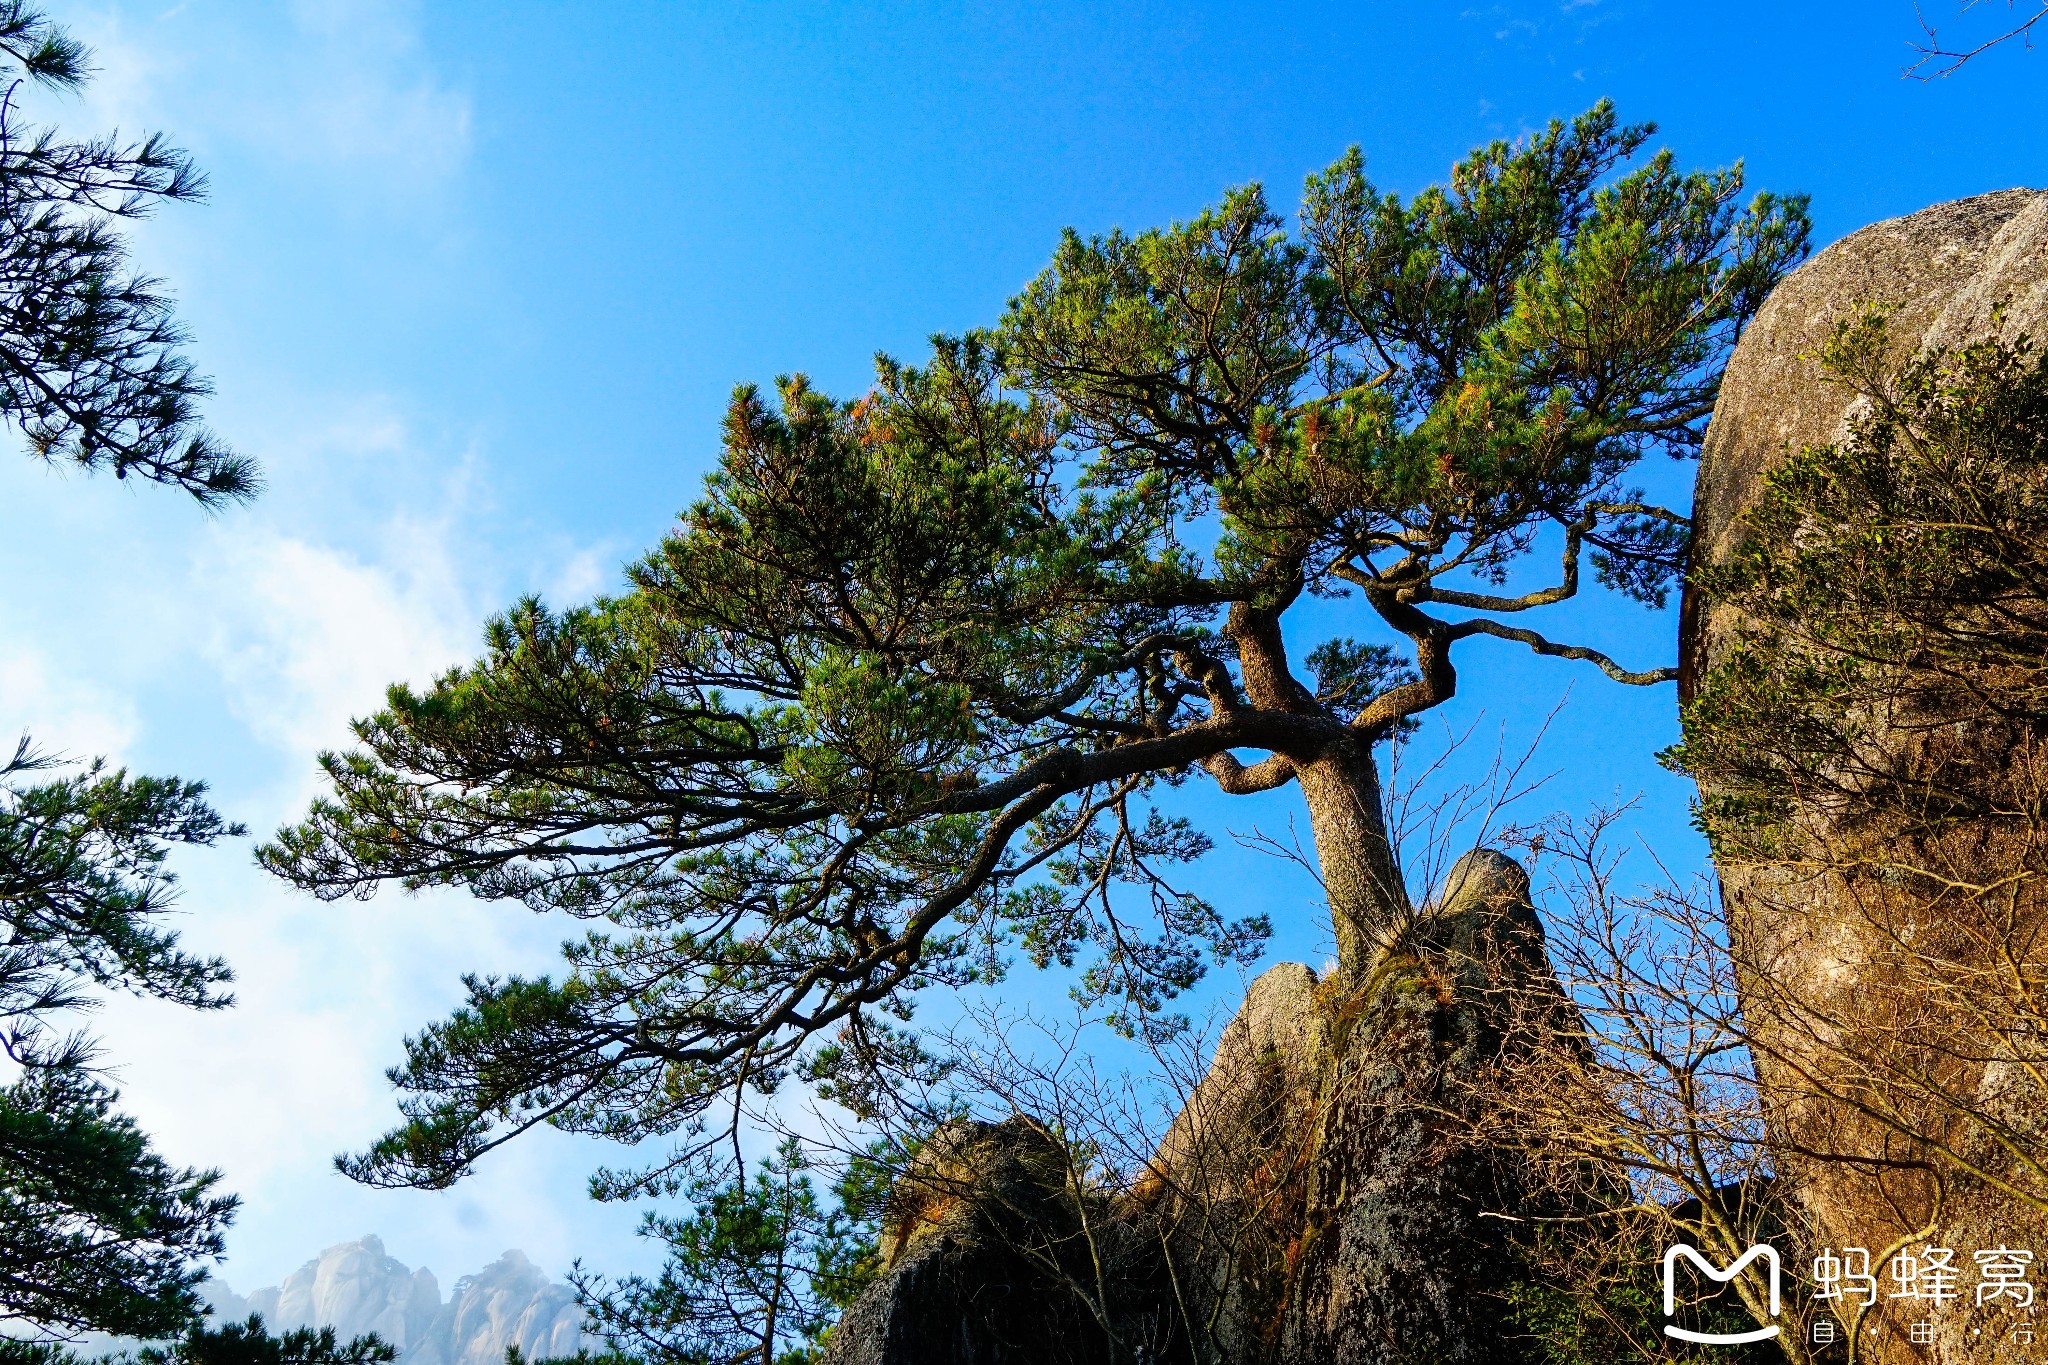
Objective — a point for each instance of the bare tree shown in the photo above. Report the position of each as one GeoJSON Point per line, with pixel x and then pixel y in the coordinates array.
{"type": "Point", "coordinates": [1680, 1110]}
{"type": "Point", "coordinates": [1937, 58]}
{"type": "Point", "coordinates": [1639, 1100]}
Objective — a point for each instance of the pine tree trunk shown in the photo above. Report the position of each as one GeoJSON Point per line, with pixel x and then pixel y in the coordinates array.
{"type": "Point", "coordinates": [1361, 869]}
{"type": "Point", "coordinates": [1346, 809]}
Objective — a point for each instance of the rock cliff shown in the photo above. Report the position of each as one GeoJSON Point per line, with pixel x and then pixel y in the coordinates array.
{"type": "Point", "coordinates": [1406, 1233]}
{"type": "Point", "coordinates": [1813, 935]}
{"type": "Point", "coordinates": [998, 1253]}
{"type": "Point", "coordinates": [1942, 271]}
{"type": "Point", "coordinates": [357, 1287]}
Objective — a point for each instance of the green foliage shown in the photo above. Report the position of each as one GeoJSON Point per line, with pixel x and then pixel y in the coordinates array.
{"type": "Point", "coordinates": [83, 889]}
{"type": "Point", "coordinates": [248, 1343]}
{"type": "Point", "coordinates": [908, 688]}
{"type": "Point", "coordinates": [18, 1351]}
{"type": "Point", "coordinates": [758, 1269]}
{"type": "Point", "coordinates": [233, 1343]}
{"type": "Point", "coordinates": [1490, 358]}
{"type": "Point", "coordinates": [1892, 583]}
{"type": "Point", "coordinates": [96, 1230]}
{"type": "Point", "coordinates": [1348, 674]}
{"type": "Point", "coordinates": [584, 1356]}
{"type": "Point", "coordinates": [1597, 1298]}
{"type": "Point", "coordinates": [93, 373]}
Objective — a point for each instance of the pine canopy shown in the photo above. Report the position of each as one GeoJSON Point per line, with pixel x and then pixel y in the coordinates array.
{"type": "Point", "coordinates": [909, 687]}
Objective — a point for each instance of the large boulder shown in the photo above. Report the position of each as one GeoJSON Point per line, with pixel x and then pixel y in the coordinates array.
{"type": "Point", "coordinates": [996, 1255]}
{"type": "Point", "coordinates": [1943, 271]}
{"type": "Point", "coordinates": [1807, 940]}
{"type": "Point", "coordinates": [1328, 1200]}
{"type": "Point", "coordinates": [1229, 1183]}
{"type": "Point", "coordinates": [1267, 1066]}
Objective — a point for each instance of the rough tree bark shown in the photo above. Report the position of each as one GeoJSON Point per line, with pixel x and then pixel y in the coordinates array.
{"type": "Point", "coordinates": [1361, 870]}
{"type": "Point", "coordinates": [1340, 782]}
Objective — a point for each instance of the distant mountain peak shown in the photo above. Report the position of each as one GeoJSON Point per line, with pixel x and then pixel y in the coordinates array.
{"type": "Point", "coordinates": [358, 1287]}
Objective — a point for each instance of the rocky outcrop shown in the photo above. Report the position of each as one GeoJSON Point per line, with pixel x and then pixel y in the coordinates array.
{"type": "Point", "coordinates": [1229, 1181]}
{"type": "Point", "coordinates": [1812, 943]}
{"type": "Point", "coordinates": [1942, 270]}
{"type": "Point", "coordinates": [1405, 1243]}
{"type": "Point", "coordinates": [509, 1302]}
{"type": "Point", "coordinates": [1318, 1199]}
{"type": "Point", "coordinates": [1267, 1066]}
{"type": "Point", "coordinates": [996, 1255]}
{"type": "Point", "coordinates": [357, 1288]}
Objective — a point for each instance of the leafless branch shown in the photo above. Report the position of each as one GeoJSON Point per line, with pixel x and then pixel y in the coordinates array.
{"type": "Point", "coordinates": [1935, 60]}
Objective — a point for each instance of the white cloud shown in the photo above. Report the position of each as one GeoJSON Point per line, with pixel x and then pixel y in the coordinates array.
{"type": "Point", "coordinates": [67, 717]}
{"type": "Point", "coordinates": [270, 1090]}
{"type": "Point", "coordinates": [586, 573]}
{"type": "Point", "coordinates": [232, 650]}
{"type": "Point", "coordinates": [374, 98]}
{"type": "Point", "coordinates": [316, 632]}
{"type": "Point", "coordinates": [344, 86]}
{"type": "Point", "coordinates": [296, 1080]}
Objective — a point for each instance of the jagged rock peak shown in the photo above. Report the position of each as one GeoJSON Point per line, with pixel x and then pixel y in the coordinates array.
{"type": "Point", "coordinates": [357, 1287]}
{"type": "Point", "coordinates": [1314, 1201]}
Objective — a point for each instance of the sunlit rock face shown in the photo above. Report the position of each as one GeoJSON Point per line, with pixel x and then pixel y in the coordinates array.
{"type": "Point", "coordinates": [1943, 271]}
{"type": "Point", "coordinates": [358, 1288]}
{"type": "Point", "coordinates": [508, 1302]}
{"type": "Point", "coordinates": [1949, 275]}
{"type": "Point", "coordinates": [1407, 1224]}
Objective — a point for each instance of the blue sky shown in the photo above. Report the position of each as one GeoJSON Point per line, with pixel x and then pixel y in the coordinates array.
{"type": "Point", "coordinates": [476, 279]}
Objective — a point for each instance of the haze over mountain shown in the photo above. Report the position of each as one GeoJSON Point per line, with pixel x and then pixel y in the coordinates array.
{"type": "Point", "coordinates": [357, 1287]}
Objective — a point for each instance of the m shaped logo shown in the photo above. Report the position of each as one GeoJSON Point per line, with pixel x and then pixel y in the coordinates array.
{"type": "Point", "coordinates": [1760, 1252]}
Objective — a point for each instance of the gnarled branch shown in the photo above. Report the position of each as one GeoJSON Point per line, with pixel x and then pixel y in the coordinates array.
{"type": "Point", "coordinates": [1482, 626]}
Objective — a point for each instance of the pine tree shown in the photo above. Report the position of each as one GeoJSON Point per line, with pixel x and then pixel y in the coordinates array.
{"type": "Point", "coordinates": [757, 1270]}
{"type": "Point", "coordinates": [250, 1343]}
{"type": "Point", "coordinates": [90, 366]}
{"type": "Point", "coordinates": [914, 682]}
{"type": "Point", "coordinates": [232, 1343]}
{"type": "Point", "coordinates": [97, 1231]}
